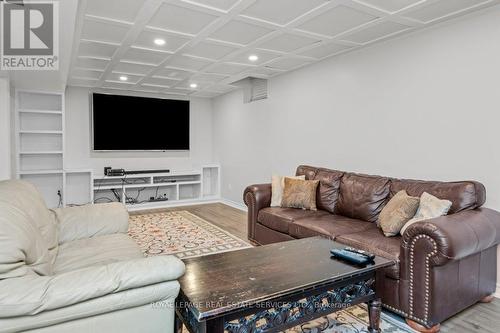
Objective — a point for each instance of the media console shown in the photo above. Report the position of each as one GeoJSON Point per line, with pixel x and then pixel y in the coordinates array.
{"type": "Point", "coordinates": [159, 189]}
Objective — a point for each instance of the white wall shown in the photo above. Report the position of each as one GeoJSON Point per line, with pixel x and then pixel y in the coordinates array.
{"type": "Point", "coordinates": [5, 134]}
{"type": "Point", "coordinates": [424, 106]}
{"type": "Point", "coordinates": [78, 148]}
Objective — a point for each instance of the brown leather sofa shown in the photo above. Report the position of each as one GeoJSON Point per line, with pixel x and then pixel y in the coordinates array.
{"type": "Point", "coordinates": [443, 265]}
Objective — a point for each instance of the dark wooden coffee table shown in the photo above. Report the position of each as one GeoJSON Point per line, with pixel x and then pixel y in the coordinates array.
{"type": "Point", "coordinates": [274, 287]}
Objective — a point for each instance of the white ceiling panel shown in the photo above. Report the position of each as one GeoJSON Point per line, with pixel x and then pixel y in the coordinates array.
{"type": "Point", "coordinates": [189, 63]}
{"type": "Point", "coordinates": [175, 18]}
{"type": "Point", "coordinates": [77, 82]}
{"type": "Point", "coordinates": [98, 50]}
{"type": "Point", "coordinates": [104, 32]}
{"type": "Point", "coordinates": [124, 10]}
{"type": "Point", "coordinates": [172, 42]}
{"type": "Point", "coordinates": [287, 64]}
{"type": "Point", "coordinates": [325, 50]}
{"type": "Point", "coordinates": [164, 46]}
{"type": "Point", "coordinates": [390, 5]}
{"type": "Point", "coordinates": [131, 79]}
{"type": "Point", "coordinates": [145, 56]}
{"type": "Point", "coordinates": [440, 9]}
{"type": "Point", "coordinates": [281, 11]}
{"type": "Point", "coordinates": [91, 63]}
{"type": "Point", "coordinates": [218, 4]}
{"type": "Point", "coordinates": [263, 57]}
{"type": "Point", "coordinates": [160, 81]}
{"type": "Point", "coordinates": [86, 74]}
{"type": "Point", "coordinates": [240, 32]}
{"type": "Point", "coordinates": [227, 68]}
{"type": "Point", "coordinates": [173, 73]}
{"type": "Point", "coordinates": [336, 21]}
{"type": "Point", "coordinates": [288, 43]}
{"type": "Point", "coordinates": [374, 32]}
{"type": "Point", "coordinates": [132, 68]}
{"type": "Point", "coordinates": [210, 50]}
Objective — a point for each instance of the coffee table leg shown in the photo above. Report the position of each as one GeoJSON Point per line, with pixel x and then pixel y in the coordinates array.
{"type": "Point", "coordinates": [374, 312]}
{"type": "Point", "coordinates": [177, 324]}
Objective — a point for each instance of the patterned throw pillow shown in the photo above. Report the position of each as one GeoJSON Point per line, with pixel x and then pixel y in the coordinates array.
{"type": "Point", "coordinates": [277, 184]}
{"type": "Point", "coordinates": [430, 207]}
{"type": "Point", "coordinates": [399, 210]}
{"type": "Point", "coordinates": [299, 193]}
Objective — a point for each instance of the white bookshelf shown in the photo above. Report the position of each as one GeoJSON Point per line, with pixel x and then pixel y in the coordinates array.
{"type": "Point", "coordinates": [39, 132]}
{"type": "Point", "coordinates": [176, 187]}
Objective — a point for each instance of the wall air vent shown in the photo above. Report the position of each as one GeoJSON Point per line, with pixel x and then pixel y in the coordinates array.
{"type": "Point", "coordinates": [254, 89]}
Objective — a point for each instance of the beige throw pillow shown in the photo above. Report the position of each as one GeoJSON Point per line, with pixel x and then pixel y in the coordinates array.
{"type": "Point", "coordinates": [399, 210]}
{"type": "Point", "coordinates": [430, 207]}
{"type": "Point", "coordinates": [277, 184]}
{"type": "Point", "coordinates": [299, 193]}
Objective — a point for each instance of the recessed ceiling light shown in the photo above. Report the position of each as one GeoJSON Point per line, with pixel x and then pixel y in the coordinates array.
{"type": "Point", "coordinates": [159, 41]}
{"type": "Point", "coordinates": [193, 85]}
{"type": "Point", "coordinates": [123, 78]}
{"type": "Point", "coordinates": [253, 57]}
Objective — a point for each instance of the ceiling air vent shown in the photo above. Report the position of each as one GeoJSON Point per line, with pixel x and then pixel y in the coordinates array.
{"type": "Point", "coordinates": [254, 89]}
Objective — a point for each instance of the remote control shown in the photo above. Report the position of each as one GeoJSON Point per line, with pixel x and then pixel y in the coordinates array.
{"type": "Point", "coordinates": [349, 256]}
{"type": "Point", "coordinates": [371, 256]}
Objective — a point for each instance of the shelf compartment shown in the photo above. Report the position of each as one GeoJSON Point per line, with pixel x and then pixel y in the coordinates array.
{"type": "Point", "coordinates": [189, 191]}
{"type": "Point", "coordinates": [40, 162]}
{"type": "Point", "coordinates": [40, 122]}
{"type": "Point", "coordinates": [48, 184]}
{"type": "Point", "coordinates": [104, 196]}
{"type": "Point", "coordinates": [177, 178]}
{"type": "Point", "coordinates": [29, 142]}
{"type": "Point", "coordinates": [28, 100]}
{"type": "Point", "coordinates": [142, 195]}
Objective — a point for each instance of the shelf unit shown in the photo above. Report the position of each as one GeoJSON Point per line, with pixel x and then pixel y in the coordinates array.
{"type": "Point", "coordinates": [175, 188]}
{"type": "Point", "coordinates": [39, 132]}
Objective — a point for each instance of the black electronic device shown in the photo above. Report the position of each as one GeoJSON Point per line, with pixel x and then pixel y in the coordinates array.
{"type": "Point", "coordinates": [371, 256]}
{"type": "Point", "coordinates": [352, 257]}
{"type": "Point", "coordinates": [132, 123]}
{"type": "Point", "coordinates": [138, 172]}
{"type": "Point", "coordinates": [115, 172]}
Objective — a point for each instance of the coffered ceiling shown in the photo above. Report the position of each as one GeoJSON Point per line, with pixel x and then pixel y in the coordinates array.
{"type": "Point", "coordinates": [207, 43]}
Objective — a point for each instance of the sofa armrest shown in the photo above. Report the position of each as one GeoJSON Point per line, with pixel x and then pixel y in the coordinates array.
{"type": "Point", "coordinates": [453, 237]}
{"type": "Point", "coordinates": [256, 197]}
{"type": "Point", "coordinates": [91, 220]}
{"type": "Point", "coordinates": [32, 294]}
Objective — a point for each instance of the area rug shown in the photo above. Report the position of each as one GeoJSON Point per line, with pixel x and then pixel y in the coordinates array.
{"type": "Point", "coordinates": [351, 320]}
{"type": "Point", "coordinates": [180, 233]}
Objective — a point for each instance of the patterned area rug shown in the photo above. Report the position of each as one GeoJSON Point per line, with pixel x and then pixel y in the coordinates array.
{"type": "Point", "coordinates": [180, 233]}
{"type": "Point", "coordinates": [186, 235]}
{"type": "Point", "coordinates": [351, 320]}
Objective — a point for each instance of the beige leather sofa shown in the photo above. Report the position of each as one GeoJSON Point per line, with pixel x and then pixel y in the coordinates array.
{"type": "Point", "coordinates": [76, 270]}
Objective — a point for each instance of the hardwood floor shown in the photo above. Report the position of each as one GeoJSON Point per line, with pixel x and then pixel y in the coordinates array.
{"type": "Point", "coordinates": [482, 317]}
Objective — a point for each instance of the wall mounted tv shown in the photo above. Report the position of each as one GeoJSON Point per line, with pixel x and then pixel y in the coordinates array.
{"type": "Point", "coordinates": [130, 123]}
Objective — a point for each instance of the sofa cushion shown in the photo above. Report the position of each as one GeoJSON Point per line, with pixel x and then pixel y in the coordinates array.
{"type": "Point", "coordinates": [362, 196]}
{"type": "Point", "coordinates": [327, 225]}
{"type": "Point", "coordinates": [93, 251]}
{"type": "Point", "coordinates": [28, 199]}
{"type": "Point", "coordinates": [463, 195]}
{"type": "Point", "coordinates": [279, 219]}
{"type": "Point", "coordinates": [23, 251]}
{"type": "Point", "coordinates": [374, 241]}
{"type": "Point", "coordinates": [328, 189]}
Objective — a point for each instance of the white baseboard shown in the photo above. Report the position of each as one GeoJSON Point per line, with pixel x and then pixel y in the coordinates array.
{"type": "Point", "coordinates": [497, 293]}
{"type": "Point", "coordinates": [234, 204]}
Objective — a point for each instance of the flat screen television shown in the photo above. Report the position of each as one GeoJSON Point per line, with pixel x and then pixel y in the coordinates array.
{"type": "Point", "coordinates": [130, 123]}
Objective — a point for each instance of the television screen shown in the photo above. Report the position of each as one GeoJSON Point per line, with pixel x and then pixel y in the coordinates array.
{"type": "Point", "coordinates": [121, 123]}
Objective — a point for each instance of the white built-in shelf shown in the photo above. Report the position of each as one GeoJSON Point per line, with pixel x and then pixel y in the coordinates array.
{"type": "Point", "coordinates": [40, 132]}
{"type": "Point", "coordinates": [41, 172]}
{"type": "Point", "coordinates": [40, 111]}
{"type": "Point", "coordinates": [180, 187]}
{"type": "Point", "coordinates": [42, 152]}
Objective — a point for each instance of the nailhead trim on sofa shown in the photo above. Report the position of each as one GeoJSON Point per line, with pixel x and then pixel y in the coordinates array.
{"type": "Point", "coordinates": [427, 277]}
